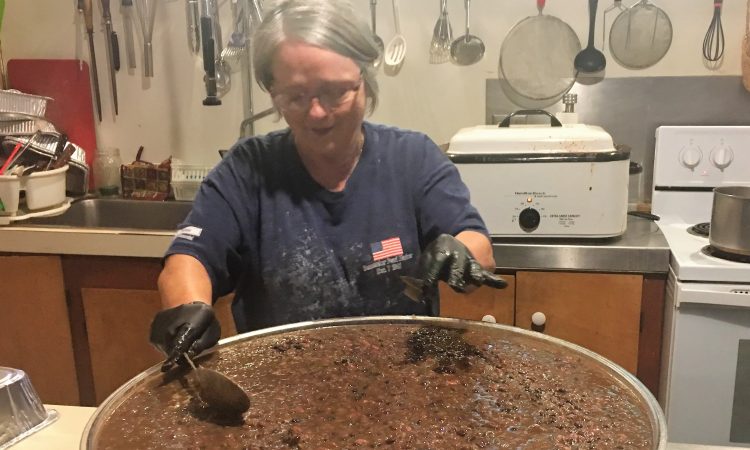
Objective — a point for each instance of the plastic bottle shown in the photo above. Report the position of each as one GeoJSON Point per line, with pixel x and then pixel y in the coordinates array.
{"type": "Point", "coordinates": [107, 171]}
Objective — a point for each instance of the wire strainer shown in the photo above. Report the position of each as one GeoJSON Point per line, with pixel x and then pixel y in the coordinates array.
{"type": "Point", "coordinates": [536, 57]}
{"type": "Point", "coordinates": [640, 36]}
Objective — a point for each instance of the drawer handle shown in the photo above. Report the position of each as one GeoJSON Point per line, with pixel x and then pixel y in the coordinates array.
{"type": "Point", "coordinates": [538, 321]}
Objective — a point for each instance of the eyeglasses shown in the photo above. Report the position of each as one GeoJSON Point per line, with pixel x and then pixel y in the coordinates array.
{"type": "Point", "coordinates": [330, 97]}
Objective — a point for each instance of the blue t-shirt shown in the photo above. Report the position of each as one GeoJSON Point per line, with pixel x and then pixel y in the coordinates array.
{"type": "Point", "coordinates": [295, 251]}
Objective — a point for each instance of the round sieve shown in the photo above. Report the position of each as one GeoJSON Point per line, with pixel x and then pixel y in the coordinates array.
{"type": "Point", "coordinates": [640, 36]}
{"type": "Point", "coordinates": [536, 57]}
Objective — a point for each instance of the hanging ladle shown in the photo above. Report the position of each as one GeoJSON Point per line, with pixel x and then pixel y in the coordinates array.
{"type": "Point", "coordinates": [590, 59]}
{"type": "Point", "coordinates": [219, 392]}
{"type": "Point", "coordinates": [467, 49]}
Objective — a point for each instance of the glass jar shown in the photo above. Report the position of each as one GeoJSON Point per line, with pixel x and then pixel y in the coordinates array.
{"type": "Point", "coordinates": [107, 171]}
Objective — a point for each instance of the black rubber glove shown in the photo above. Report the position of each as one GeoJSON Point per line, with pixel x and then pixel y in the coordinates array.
{"type": "Point", "coordinates": [446, 258]}
{"type": "Point", "coordinates": [189, 328]}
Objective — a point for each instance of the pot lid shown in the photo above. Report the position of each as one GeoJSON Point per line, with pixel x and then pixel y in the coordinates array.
{"type": "Point", "coordinates": [535, 139]}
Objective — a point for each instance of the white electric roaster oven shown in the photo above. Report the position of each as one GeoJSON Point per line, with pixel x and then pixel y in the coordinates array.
{"type": "Point", "coordinates": [544, 180]}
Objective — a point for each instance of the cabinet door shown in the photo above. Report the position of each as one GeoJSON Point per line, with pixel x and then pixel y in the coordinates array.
{"type": "Point", "coordinates": [483, 301]}
{"type": "Point", "coordinates": [118, 322]}
{"type": "Point", "coordinates": [34, 326]}
{"type": "Point", "coordinates": [598, 311]}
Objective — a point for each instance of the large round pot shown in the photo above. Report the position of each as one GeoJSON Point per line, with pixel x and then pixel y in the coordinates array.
{"type": "Point", "coordinates": [730, 220]}
{"type": "Point", "coordinates": [499, 345]}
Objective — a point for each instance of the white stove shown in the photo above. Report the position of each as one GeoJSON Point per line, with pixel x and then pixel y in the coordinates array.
{"type": "Point", "coordinates": [705, 377]}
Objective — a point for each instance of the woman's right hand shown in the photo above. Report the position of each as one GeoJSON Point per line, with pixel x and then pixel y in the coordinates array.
{"type": "Point", "coordinates": [189, 328]}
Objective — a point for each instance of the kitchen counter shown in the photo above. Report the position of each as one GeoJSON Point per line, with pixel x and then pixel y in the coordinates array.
{"type": "Point", "coordinates": [642, 249]}
{"type": "Point", "coordinates": [64, 433]}
{"type": "Point", "coordinates": [84, 241]}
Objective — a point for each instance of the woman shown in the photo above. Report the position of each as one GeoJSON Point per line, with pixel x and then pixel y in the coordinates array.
{"type": "Point", "coordinates": [321, 219]}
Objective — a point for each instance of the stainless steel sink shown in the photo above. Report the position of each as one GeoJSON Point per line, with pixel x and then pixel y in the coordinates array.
{"type": "Point", "coordinates": [118, 213]}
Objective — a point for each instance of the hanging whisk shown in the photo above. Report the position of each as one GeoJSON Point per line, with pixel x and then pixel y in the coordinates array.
{"type": "Point", "coordinates": [713, 43]}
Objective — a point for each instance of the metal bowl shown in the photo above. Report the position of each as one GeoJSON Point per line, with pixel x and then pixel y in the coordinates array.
{"type": "Point", "coordinates": [646, 399]}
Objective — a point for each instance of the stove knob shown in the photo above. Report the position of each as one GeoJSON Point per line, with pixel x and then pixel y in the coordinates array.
{"type": "Point", "coordinates": [691, 156]}
{"type": "Point", "coordinates": [529, 219]}
{"type": "Point", "coordinates": [722, 156]}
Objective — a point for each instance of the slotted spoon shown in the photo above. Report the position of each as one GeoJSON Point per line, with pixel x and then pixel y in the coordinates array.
{"type": "Point", "coordinates": [395, 52]}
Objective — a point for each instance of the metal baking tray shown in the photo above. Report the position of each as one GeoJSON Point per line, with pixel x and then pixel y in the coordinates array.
{"type": "Point", "coordinates": [12, 101]}
{"type": "Point", "coordinates": [21, 411]}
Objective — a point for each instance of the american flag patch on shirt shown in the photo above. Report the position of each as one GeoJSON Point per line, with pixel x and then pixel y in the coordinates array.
{"type": "Point", "coordinates": [386, 248]}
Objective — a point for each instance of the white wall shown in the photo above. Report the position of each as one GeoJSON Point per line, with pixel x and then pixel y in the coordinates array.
{"type": "Point", "coordinates": [165, 113]}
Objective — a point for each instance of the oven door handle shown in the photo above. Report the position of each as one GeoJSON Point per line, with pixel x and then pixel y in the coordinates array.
{"type": "Point", "coordinates": [736, 296]}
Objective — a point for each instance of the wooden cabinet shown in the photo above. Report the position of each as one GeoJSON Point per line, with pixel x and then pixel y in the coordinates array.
{"type": "Point", "coordinates": [598, 311]}
{"type": "Point", "coordinates": [499, 303]}
{"type": "Point", "coordinates": [113, 300]}
{"type": "Point", "coordinates": [36, 335]}
{"type": "Point", "coordinates": [618, 316]}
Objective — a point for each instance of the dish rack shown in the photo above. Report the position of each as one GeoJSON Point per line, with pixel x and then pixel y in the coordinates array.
{"type": "Point", "coordinates": [186, 179]}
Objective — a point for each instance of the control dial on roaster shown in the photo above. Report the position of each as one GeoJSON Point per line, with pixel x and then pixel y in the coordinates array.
{"type": "Point", "coordinates": [691, 156]}
{"type": "Point", "coordinates": [529, 219]}
{"type": "Point", "coordinates": [722, 156]}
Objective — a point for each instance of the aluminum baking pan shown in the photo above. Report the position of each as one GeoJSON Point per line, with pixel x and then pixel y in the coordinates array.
{"type": "Point", "coordinates": [24, 126]}
{"type": "Point", "coordinates": [21, 411]}
{"type": "Point", "coordinates": [654, 412]}
{"type": "Point", "coordinates": [45, 144]}
{"type": "Point", "coordinates": [13, 101]}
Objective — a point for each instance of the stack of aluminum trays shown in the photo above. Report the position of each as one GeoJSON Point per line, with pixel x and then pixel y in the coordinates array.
{"type": "Point", "coordinates": [22, 113]}
{"type": "Point", "coordinates": [21, 411]}
{"type": "Point", "coordinates": [43, 147]}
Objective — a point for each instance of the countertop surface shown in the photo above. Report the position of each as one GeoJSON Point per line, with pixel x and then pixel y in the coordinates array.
{"type": "Point", "coordinates": [66, 432]}
{"type": "Point", "coordinates": [641, 249]}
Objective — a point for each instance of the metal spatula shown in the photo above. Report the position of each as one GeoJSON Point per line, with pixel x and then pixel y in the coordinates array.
{"type": "Point", "coordinates": [219, 392]}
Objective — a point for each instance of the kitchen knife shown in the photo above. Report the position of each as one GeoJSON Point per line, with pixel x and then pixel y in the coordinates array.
{"type": "Point", "coordinates": [113, 59]}
{"type": "Point", "coordinates": [88, 18]}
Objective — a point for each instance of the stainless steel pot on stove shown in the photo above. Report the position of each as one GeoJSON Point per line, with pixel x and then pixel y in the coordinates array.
{"type": "Point", "coordinates": [730, 220]}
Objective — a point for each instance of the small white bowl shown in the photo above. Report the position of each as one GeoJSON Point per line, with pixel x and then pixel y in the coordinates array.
{"type": "Point", "coordinates": [45, 189]}
{"type": "Point", "coordinates": [10, 186]}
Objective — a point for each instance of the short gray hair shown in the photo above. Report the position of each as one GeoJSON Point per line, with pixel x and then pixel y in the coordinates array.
{"type": "Point", "coordinates": [329, 24]}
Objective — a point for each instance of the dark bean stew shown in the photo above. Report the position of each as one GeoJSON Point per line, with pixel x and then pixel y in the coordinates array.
{"type": "Point", "coordinates": [390, 386]}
